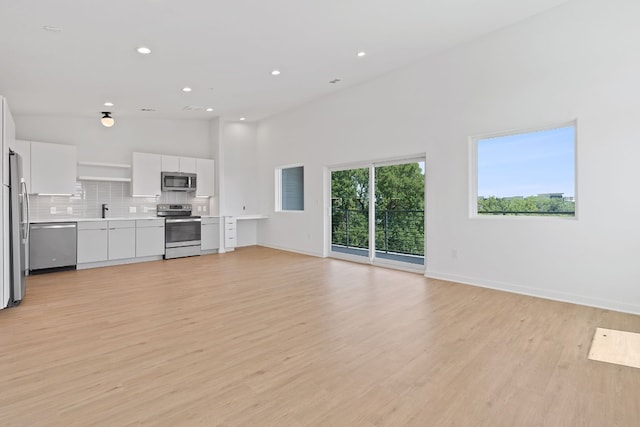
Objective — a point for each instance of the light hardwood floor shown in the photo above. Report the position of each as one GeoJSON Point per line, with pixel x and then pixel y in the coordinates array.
{"type": "Point", "coordinates": [260, 337]}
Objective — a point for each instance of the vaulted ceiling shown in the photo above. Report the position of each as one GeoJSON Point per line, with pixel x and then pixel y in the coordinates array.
{"type": "Point", "coordinates": [70, 57]}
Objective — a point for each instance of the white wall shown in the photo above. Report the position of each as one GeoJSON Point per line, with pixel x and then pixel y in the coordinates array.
{"type": "Point", "coordinates": [96, 143]}
{"type": "Point", "coordinates": [576, 61]}
{"type": "Point", "coordinates": [239, 178]}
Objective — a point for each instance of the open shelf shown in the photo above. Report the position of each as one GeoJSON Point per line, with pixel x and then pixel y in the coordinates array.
{"type": "Point", "coordinates": [99, 171]}
{"type": "Point", "coordinates": [103, 178]}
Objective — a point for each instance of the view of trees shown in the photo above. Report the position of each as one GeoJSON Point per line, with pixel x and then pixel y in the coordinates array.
{"type": "Point", "coordinates": [532, 205]}
{"type": "Point", "coordinates": [399, 201]}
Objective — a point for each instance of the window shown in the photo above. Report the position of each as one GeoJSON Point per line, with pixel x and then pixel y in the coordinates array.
{"type": "Point", "coordinates": [290, 188]}
{"type": "Point", "coordinates": [529, 173]}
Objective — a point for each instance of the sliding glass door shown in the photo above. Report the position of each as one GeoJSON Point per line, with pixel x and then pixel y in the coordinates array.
{"type": "Point", "coordinates": [350, 212]}
{"type": "Point", "coordinates": [377, 213]}
{"type": "Point", "coordinates": [399, 196]}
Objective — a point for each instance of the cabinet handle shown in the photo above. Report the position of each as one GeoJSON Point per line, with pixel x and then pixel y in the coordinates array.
{"type": "Point", "coordinates": [41, 227]}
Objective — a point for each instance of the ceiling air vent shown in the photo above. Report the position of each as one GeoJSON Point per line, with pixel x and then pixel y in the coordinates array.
{"type": "Point", "coordinates": [194, 108]}
{"type": "Point", "coordinates": [148, 110]}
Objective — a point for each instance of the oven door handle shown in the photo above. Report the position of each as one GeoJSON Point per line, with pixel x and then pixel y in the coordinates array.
{"type": "Point", "coordinates": [183, 220]}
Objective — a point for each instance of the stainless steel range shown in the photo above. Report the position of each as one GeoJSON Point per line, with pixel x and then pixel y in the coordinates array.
{"type": "Point", "coordinates": [181, 231]}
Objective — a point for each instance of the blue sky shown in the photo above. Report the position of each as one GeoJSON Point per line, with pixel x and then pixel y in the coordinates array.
{"type": "Point", "coordinates": [527, 164]}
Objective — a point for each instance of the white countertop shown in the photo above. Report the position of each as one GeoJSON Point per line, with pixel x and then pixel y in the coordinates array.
{"type": "Point", "coordinates": [243, 217]}
{"type": "Point", "coordinates": [237, 217]}
{"type": "Point", "coordinates": [132, 218]}
{"type": "Point", "coordinates": [40, 221]}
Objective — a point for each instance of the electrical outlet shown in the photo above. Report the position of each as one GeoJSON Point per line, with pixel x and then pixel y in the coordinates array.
{"type": "Point", "coordinates": [132, 209]}
{"type": "Point", "coordinates": [145, 209]}
{"type": "Point", "coordinates": [52, 210]}
{"type": "Point", "coordinates": [69, 210]}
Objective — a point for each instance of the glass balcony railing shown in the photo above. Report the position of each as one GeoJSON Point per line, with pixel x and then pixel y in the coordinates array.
{"type": "Point", "coordinates": [398, 233]}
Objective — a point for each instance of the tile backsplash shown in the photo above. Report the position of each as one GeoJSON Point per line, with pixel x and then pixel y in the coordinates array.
{"type": "Point", "coordinates": [90, 195]}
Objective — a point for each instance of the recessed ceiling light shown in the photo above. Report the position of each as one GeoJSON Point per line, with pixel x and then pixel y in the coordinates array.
{"type": "Point", "coordinates": [144, 50]}
{"type": "Point", "coordinates": [186, 89]}
{"type": "Point", "coordinates": [209, 109]}
{"type": "Point", "coordinates": [243, 118]}
{"type": "Point", "coordinates": [108, 104]}
{"type": "Point", "coordinates": [275, 73]}
{"type": "Point", "coordinates": [361, 54]}
{"type": "Point", "coordinates": [52, 28]}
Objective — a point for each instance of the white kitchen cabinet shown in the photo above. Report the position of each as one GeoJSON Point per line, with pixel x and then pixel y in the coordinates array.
{"type": "Point", "coordinates": [53, 168]}
{"type": "Point", "coordinates": [230, 232]}
{"type": "Point", "coordinates": [149, 237]}
{"type": "Point", "coordinates": [122, 239]}
{"type": "Point", "coordinates": [92, 241]}
{"type": "Point", "coordinates": [24, 149]}
{"type": "Point", "coordinates": [178, 164]}
{"type": "Point", "coordinates": [210, 233]}
{"type": "Point", "coordinates": [145, 174]}
{"type": "Point", "coordinates": [170, 164]}
{"type": "Point", "coordinates": [188, 165]}
{"type": "Point", "coordinates": [205, 177]}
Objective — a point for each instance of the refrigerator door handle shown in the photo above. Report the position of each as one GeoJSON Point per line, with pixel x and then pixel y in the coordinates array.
{"type": "Point", "coordinates": [26, 198]}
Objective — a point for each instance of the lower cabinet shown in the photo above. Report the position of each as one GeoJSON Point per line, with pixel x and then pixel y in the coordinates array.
{"type": "Point", "coordinates": [92, 241]}
{"type": "Point", "coordinates": [122, 239]}
{"type": "Point", "coordinates": [149, 237]}
{"type": "Point", "coordinates": [230, 233]}
{"type": "Point", "coordinates": [210, 233]}
{"type": "Point", "coordinates": [107, 240]}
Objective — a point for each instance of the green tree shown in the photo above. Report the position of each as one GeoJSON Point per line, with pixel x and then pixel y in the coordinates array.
{"type": "Point", "coordinates": [399, 199]}
{"type": "Point", "coordinates": [400, 208]}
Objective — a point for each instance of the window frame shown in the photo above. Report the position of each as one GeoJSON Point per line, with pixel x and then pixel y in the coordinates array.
{"type": "Point", "coordinates": [278, 188]}
{"type": "Point", "coordinates": [473, 172]}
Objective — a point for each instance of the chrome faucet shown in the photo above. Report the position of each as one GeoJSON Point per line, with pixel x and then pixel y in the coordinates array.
{"type": "Point", "coordinates": [104, 210]}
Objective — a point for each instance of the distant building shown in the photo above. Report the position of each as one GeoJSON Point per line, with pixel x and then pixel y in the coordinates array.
{"type": "Point", "coordinates": [551, 195]}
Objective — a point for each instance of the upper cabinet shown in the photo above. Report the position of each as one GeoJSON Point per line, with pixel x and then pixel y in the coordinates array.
{"type": "Point", "coordinates": [24, 149]}
{"type": "Point", "coordinates": [205, 176]}
{"type": "Point", "coordinates": [53, 168]}
{"type": "Point", "coordinates": [146, 169]}
{"type": "Point", "coordinates": [145, 174]}
{"type": "Point", "coordinates": [170, 164]}
{"type": "Point", "coordinates": [178, 164]}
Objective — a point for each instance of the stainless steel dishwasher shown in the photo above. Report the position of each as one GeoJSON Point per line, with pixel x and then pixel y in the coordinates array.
{"type": "Point", "coordinates": [52, 246]}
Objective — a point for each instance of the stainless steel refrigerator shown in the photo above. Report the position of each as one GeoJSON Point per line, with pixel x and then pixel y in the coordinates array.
{"type": "Point", "coordinates": [18, 229]}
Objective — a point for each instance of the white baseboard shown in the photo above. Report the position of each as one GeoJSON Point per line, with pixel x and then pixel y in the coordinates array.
{"type": "Point", "coordinates": [540, 293]}
{"type": "Point", "coordinates": [118, 262]}
{"type": "Point", "coordinates": [288, 249]}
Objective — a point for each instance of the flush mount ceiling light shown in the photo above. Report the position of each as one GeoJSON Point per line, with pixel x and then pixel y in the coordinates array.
{"type": "Point", "coordinates": [209, 109]}
{"type": "Point", "coordinates": [186, 89]}
{"type": "Point", "coordinates": [275, 73]}
{"type": "Point", "coordinates": [108, 104]}
{"type": "Point", "coordinates": [243, 118]}
{"type": "Point", "coordinates": [106, 120]}
{"type": "Point", "coordinates": [361, 54]}
{"type": "Point", "coordinates": [143, 50]}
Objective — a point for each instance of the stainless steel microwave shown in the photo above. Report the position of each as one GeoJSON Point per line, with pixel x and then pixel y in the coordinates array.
{"type": "Point", "coordinates": [178, 181]}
